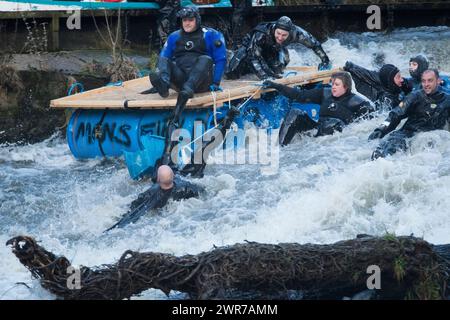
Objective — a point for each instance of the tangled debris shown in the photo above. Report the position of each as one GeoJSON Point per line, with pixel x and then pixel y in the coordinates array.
{"type": "Point", "coordinates": [410, 268]}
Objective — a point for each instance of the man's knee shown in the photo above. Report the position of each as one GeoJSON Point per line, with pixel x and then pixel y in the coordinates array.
{"type": "Point", "coordinates": [295, 115]}
{"type": "Point", "coordinates": [295, 121]}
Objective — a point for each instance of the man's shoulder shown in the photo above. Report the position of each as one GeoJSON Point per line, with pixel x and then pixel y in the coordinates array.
{"type": "Point", "coordinates": [211, 31]}
{"type": "Point", "coordinates": [261, 29]}
{"type": "Point", "coordinates": [174, 35]}
{"type": "Point", "coordinates": [182, 185]}
{"type": "Point", "coordinates": [357, 99]}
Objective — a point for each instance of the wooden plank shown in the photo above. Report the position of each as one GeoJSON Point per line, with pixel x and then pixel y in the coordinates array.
{"type": "Point", "coordinates": [115, 96]}
{"type": "Point", "coordinates": [257, 96]}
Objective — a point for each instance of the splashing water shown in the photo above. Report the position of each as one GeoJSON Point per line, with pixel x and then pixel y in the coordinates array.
{"type": "Point", "coordinates": [326, 188]}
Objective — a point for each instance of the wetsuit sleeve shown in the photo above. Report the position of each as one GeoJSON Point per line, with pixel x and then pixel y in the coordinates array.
{"type": "Point", "coordinates": [169, 46]}
{"type": "Point", "coordinates": [360, 74]}
{"type": "Point", "coordinates": [399, 113]}
{"type": "Point", "coordinates": [260, 66]}
{"type": "Point", "coordinates": [218, 52]}
{"type": "Point", "coordinates": [185, 190]}
{"type": "Point", "coordinates": [312, 95]}
{"type": "Point", "coordinates": [144, 196]}
{"type": "Point", "coordinates": [306, 39]}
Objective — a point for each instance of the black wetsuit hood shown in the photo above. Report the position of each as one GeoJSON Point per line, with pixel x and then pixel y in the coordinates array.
{"type": "Point", "coordinates": [387, 74]}
{"type": "Point", "coordinates": [423, 65]}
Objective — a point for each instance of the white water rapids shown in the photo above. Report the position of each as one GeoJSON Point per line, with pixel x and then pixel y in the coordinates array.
{"type": "Point", "coordinates": [326, 188]}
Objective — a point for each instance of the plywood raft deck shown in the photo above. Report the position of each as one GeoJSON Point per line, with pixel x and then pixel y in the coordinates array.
{"type": "Point", "coordinates": [114, 97]}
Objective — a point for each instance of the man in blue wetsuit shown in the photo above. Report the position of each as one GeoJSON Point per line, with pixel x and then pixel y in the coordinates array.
{"type": "Point", "coordinates": [192, 60]}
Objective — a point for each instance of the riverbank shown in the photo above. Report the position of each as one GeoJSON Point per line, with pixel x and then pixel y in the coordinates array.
{"type": "Point", "coordinates": [29, 81]}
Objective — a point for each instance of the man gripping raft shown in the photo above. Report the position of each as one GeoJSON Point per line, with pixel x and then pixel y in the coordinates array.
{"type": "Point", "coordinates": [264, 50]}
{"type": "Point", "coordinates": [338, 107]}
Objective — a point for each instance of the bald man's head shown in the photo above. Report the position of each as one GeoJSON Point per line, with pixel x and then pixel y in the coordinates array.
{"type": "Point", "coordinates": [165, 177]}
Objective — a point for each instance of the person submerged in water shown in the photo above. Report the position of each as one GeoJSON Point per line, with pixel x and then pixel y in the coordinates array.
{"type": "Point", "coordinates": [425, 110]}
{"type": "Point", "coordinates": [156, 197]}
{"type": "Point", "coordinates": [338, 107]}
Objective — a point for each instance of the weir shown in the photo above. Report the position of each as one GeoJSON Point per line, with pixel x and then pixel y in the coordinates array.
{"type": "Point", "coordinates": [140, 24]}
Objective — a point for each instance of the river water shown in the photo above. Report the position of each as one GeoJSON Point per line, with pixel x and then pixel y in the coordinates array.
{"type": "Point", "coordinates": [326, 189]}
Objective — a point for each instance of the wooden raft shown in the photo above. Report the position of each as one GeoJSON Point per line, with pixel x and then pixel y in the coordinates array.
{"type": "Point", "coordinates": [114, 97]}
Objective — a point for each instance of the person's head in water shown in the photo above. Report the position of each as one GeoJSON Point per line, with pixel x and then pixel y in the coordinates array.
{"type": "Point", "coordinates": [341, 83]}
{"type": "Point", "coordinates": [417, 65]}
{"type": "Point", "coordinates": [391, 77]}
{"type": "Point", "coordinates": [283, 29]}
{"type": "Point", "coordinates": [430, 81]}
{"type": "Point", "coordinates": [190, 18]}
{"type": "Point", "coordinates": [165, 177]}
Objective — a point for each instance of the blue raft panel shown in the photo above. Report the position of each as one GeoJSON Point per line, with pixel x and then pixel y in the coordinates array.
{"type": "Point", "coordinates": [138, 135]}
{"type": "Point", "coordinates": [97, 133]}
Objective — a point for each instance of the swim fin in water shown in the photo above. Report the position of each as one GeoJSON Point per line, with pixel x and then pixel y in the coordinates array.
{"type": "Point", "coordinates": [153, 198]}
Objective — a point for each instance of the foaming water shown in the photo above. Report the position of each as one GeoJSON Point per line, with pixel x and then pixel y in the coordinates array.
{"type": "Point", "coordinates": [372, 50]}
{"type": "Point", "coordinates": [326, 188]}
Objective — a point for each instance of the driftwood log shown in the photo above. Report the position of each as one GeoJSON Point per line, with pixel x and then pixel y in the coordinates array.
{"type": "Point", "coordinates": [410, 268]}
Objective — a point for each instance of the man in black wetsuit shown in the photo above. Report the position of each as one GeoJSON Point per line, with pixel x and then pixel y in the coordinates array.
{"type": "Point", "coordinates": [425, 110]}
{"type": "Point", "coordinates": [338, 107]}
{"type": "Point", "coordinates": [157, 196]}
{"type": "Point", "coordinates": [384, 87]}
{"type": "Point", "coordinates": [264, 50]}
